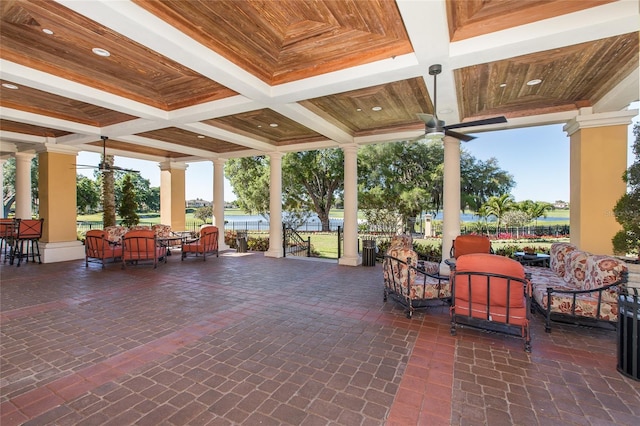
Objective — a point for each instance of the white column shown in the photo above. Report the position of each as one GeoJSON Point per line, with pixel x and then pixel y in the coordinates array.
{"type": "Point", "coordinates": [275, 205]}
{"type": "Point", "coordinates": [23, 185]}
{"type": "Point", "coordinates": [2, 161]}
{"type": "Point", "coordinates": [451, 197]}
{"type": "Point", "coordinates": [218, 200]}
{"type": "Point", "coordinates": [350, 256]}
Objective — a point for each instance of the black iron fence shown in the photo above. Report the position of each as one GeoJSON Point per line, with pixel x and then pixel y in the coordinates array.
{"type": "Point", "coordinates": [249, 225]}
{"type": "Point", "coordinates": [336, 224]}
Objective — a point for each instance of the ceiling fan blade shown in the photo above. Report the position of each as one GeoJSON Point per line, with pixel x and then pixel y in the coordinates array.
{"type": "Point", "coordinates": [122, 169]}
{"type": "Point", "coordinates": [459, 136]}
{"type": "Point", "coordinates": [430, 120]}
{"type": "Point", "coordinates": [494, 120]}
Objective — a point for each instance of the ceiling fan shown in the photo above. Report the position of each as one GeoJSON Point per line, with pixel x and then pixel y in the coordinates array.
{"type": "Point", "coordinates": [103, 167]}
{"type": "Point", "coordinates": [436, 129]}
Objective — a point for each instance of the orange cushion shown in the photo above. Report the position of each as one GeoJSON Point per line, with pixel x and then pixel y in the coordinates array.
{"type": "Point", "coordinates": [195, 247]}
{"type": "Point", "coordinates": [467, 244]}
{"type": "Point", "coordinates": [496, 292]}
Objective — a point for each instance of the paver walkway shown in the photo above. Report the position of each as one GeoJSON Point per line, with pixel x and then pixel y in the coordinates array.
{"type": "Point", "coordinates": [248, 340]}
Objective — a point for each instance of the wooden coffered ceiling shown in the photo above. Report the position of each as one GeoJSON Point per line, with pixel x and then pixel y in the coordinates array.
{"type": "Point", "coordinates": [193, 80]}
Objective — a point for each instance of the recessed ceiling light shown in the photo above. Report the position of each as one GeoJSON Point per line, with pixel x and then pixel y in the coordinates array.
{"type": "Point", "coordinates": [101, 52]}
{"type": "Point", "coordinates": [273, 125]}
{"type": "Point", "coordinates": [358, 109]}
{"type": "Point", "coordinates": [200, 136]}
{"type": "Point", "coordinates": [376, 108]}
{"type": "Point", "coordinates": [47, 31]}
{"type": "Point", "coordinates": [503, 84]}
{"type": "Point", "coordinates": [10, 86]}
{"type": "Point", "coordinates": [534, 82]}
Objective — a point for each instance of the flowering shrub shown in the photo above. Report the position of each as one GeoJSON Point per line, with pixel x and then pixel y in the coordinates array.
{"type": "Point", "coordinates": [254, 243]}
{"type": "Point", "coordinates": [258, 243]}
{"type": "Point", "coordinates": [509, 250]}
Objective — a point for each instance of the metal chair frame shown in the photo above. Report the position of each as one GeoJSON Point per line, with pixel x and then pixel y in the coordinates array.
{"type": "Point", "coordinates": [28, 231]}
{"type": "Point", "coordinates": [207, 243]}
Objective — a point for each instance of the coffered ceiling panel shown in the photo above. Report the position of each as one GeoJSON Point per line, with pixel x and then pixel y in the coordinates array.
{"type": "Point", "coordinates": [131, 70]}
{"type": "Point", "coordinates": [50, 105]}
{"type": "Point", "coordinates": [191, 140]}
{"type": "Point", "coordinates": [286, 40]}
{"type": "Point", "coordinates": [506, 87]}
{"type": "Point", "coordinates": [268, 126]}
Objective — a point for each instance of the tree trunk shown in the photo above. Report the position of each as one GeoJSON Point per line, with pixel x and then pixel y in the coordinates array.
{"type": "Point", "coordinates": [324, 220]}
{"type": "Point", "coordinates": [108, 193]}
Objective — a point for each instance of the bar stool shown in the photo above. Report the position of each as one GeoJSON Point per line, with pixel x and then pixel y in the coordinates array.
{"type": "Point", "coordinates": [29, 231]}
{"type": "Point", "coordinates": [7, 235]}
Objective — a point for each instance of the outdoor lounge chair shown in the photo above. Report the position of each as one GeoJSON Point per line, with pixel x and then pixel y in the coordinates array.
{"type": "Point", "coordinates": [412, 283]}
{"type": "Point", "coordinates": [98, 248]}
{"type": "Point", "coordinates": [206, 243]}
{"type": "Point", "coordinates": [470, 243]}
{"type": "Point", "coordinates": [140, 245]}
{"type": "Point", "coordinates": [491, 292]}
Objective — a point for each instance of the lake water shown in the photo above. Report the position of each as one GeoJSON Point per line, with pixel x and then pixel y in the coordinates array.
{"type": "Point", "coordinates": [464, 217]}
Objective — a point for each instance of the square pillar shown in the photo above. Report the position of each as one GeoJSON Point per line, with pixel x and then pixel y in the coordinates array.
{"type": "Point", "coordinates": [173, 195]}
{"type": "Point", "coordinates": [598, 149]}
{"type": "Point", "coordinates": [57, 194]}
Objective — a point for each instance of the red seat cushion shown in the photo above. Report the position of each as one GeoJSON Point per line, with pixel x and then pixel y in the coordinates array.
{"type": "Point", "coordinates": [495, 294]}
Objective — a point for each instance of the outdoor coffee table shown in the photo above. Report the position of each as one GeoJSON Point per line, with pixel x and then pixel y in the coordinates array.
{"type": "Point", "coordinates": [532, 259]}
{"type": "Point", "coordinates": [167, 242]}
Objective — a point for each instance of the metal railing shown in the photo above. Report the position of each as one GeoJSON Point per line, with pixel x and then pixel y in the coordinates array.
{"type": "Point", "coordinates": [294, 244]}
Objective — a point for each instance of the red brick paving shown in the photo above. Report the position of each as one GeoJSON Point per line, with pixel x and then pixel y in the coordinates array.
{"type": "Point", "coordinates": [253, 340]}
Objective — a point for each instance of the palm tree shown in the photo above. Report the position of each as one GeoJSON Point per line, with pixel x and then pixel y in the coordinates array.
{"type": "Point", "coordinates": [498, 206]}
{"type": "Point", "coordinates": [108, 193]}
{"type": "Point", "coordinates": [539, 209]}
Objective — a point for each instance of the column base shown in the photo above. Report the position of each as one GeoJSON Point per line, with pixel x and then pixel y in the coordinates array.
{"type": "Point", "coordinates": [444, 269]}
{"type": "Point", "coordinates": [273, 253]}
{"type": "Point", "coordinates": [61, 251]}
{"type": "Point", "coordinates": [350, 261]}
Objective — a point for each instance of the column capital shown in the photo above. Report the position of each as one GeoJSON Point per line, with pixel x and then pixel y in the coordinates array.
{"type": "Point", "coordinates": [173, 165]}
{"type": "Point", "coordinates": [25, 155]}
{"type": "Point", "coordinates": [350, 147]}
{"type": "Point", "coordinates": [586, 119]}
{"type": "Point", "coordinates": [219, 161]}
{"type": "Point", "coordinates": [275, 154]}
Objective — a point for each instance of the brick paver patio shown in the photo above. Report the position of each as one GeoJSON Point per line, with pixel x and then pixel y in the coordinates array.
{"type": "Point", "coordinates": [248, 340]}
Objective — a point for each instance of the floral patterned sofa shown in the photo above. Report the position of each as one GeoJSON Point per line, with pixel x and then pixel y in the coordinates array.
{"type": "Point", "coordinates": [578, 287]}
{"type": "Point", "coordinates": [412, 283]}
{"type": "Point", "coordinates": [115, 233]}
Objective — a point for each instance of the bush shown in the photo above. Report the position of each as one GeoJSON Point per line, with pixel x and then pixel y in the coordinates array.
{"type": "Point", "coordinates": [254, 243]}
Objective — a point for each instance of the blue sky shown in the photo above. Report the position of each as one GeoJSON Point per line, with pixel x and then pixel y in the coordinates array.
{"type": "Point", "coordinates": [537, 157]}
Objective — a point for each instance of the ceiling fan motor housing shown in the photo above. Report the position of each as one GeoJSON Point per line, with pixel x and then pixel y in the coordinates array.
{"type": "Point", "coordinates": [435, 69]}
